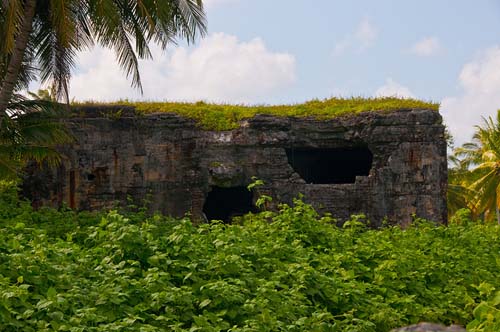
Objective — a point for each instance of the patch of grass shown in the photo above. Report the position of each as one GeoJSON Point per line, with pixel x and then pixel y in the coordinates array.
{"type": "Point", "coordinates": [227, 117]}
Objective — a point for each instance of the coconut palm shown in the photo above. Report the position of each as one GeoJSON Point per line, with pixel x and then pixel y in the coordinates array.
{"type": "Point", "coordinates": [41, 38]}
{"type": "Point", "coordinates": [481, 158]}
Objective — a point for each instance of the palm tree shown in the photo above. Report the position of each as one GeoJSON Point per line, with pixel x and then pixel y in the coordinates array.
{"type": "Point", "coordinates": [481, 158]}
{"type": "Point", "coordinates": [41, 38]}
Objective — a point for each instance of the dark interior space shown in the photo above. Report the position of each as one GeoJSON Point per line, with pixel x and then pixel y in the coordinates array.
{"type": "Point", "coordinates": [226, 203]}
{"type": "Point", "coordinates": [329, 166]}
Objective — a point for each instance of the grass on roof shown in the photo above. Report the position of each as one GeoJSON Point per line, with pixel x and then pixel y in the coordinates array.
{"type": "Point", "coordinates": [227, 117]}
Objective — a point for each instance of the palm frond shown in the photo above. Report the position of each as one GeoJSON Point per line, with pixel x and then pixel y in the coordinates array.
{"type": "Point", "coordinates": [458, 197]}
{"type": "Point", "coordinates": [56, 59]}
{"type": "Point", "coordinates": [127, 59]}
{"type": "Point", "coordinates": [12, 13]}
{"type": "Point", "coordinates": [31, 132]}
{"type": "Point", "coordinates": [9, 166]}
{"type": "Point", "coordinates": [192, 19]}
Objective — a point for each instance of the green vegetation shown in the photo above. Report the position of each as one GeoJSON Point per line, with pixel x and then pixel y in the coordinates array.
{"type": "Point", "coordinates": [31, 133]}
{"type": "Point", "coordinates": [68, 271]}
{"type": "Point", "coordinates": [226, 117]}
{"type": "Point", "coordinates": [474, 175]}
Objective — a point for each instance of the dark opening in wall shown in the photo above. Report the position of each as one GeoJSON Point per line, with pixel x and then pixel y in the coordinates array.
{"type": "Point", "coordinates": [226, 203]}
{"type": "Point", "coordinates": [324, 166]}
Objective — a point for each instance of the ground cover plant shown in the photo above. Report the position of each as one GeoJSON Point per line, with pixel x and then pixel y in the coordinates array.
{"type": "Point", "coordinates": [111, 271]}
{"type": "Point", "coordinates": [227, 117]}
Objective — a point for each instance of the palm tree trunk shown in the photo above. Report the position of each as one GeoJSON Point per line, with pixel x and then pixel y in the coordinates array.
{"type": "Point", "coordinates": [498, 214]}
{"type": "Point", "coordinates": [17, 56]}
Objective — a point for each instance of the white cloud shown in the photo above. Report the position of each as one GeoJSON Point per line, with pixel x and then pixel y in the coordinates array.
{"type": "Point", "coordinates": [220, 69]}
{"type": "Point", "coordinates": [426, 47]}
{"type": "Point", "coordinates": [366, 34]}
{"type": "Point", "coordinates": [393, 89]}
{"type": "Point", "coordinates": [480, 82]}
{"type": "Point", "coordinates": [363, 38]}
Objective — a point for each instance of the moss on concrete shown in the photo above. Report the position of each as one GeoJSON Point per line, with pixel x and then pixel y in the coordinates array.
{"type": "Point", "coordinates": [227, 117]}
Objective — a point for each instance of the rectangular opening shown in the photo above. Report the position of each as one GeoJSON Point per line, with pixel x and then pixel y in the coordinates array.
{"type": "Point", "coordinates": [330, 165]}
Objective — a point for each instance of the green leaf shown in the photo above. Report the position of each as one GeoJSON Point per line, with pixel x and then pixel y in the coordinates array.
{"type": "Point", "coordinates": [204, 303]}
{"type": "Point", "coordinates": [51, 293]}
{"type": "Point", "coordinates": [43, 304]}
{"type": "Point", "coordinates": [481, 311]}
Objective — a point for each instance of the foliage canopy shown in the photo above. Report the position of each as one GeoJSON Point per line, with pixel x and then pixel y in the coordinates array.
{"type": "Point", "coordinates": [68, 271]}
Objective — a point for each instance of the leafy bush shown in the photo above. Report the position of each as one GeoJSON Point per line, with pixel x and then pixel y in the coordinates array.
{"type": "Point", "coordinates": [487, 313]}
{"type": "Point", "coordinates": [67, 271]}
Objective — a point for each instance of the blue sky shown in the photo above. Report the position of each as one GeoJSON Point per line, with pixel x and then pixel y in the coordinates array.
{"type": "Point", "coordinates": [311, 32]}
{"type": "Point", "coordinates": [278, 51]}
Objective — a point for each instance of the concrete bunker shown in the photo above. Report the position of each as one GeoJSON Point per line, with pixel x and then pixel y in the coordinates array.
{"type": "Point", "coordinates": [225, 203]}
{"type": "Point", "coordinates": [330, 165]}
{"type": "Point", "coordinates": [388, 164]}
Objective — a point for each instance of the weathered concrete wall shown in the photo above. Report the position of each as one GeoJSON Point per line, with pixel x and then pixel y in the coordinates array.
{"type": "Point", "coordinates": [178, 163]}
